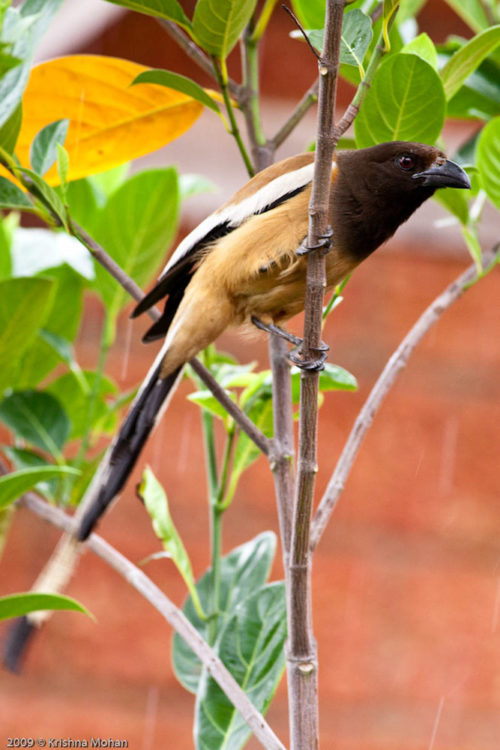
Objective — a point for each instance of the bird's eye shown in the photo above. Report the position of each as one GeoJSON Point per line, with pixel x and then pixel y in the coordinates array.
{"type": "Point", "coordinates": [406, 162]}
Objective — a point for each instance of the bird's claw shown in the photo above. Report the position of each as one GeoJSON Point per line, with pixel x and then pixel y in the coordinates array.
{"type": "Point", "coordinates": [325, 241]}
{"type": "Point", "coordinates": [315, 364]}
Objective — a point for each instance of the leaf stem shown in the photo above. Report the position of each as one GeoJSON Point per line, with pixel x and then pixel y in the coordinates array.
{"type": "Point", "coordinates": [221, 76]}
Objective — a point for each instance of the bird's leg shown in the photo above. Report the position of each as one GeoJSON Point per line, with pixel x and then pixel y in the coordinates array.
{"type": "Point", "coordinates": [325, 241]}
{"type": "Point", "coordinates": [272, 328]}
{"type": "Point", "coordinates": [293, 355]}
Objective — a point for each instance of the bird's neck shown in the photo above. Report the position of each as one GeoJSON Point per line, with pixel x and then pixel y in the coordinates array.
{"type": "Point", "coordinates": [363, 218]}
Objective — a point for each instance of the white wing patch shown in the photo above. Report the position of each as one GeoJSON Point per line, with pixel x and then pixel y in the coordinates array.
{"type": "Point", "coordinates": [235, 214]}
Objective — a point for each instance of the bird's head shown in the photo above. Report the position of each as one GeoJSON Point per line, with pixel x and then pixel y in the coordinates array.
{"type": "Point", "coordinates": [401, 167]}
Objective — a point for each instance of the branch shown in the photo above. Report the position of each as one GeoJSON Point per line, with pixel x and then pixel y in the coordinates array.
{"type": "Point", "coordinates": [384, 383]}
{"type": "Point", "coordinates": [172, 614]}
{"type": "Point", "coordinates": [303, 107]}
{"type": "Point", "coordinates": [302, 657]}
{"type": "Point", "coordinates": [196, 54]}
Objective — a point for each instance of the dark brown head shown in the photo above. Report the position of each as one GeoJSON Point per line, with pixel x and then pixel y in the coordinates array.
{"type": "Point", "coordinates": [378, 189]}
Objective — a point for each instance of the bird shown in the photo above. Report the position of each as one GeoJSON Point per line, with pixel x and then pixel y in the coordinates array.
{"type": "Point", "coordinates": [243, 266]}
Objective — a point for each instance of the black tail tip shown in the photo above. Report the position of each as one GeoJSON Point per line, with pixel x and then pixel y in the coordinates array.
{"type": "Point", "coordinates": [18, 638]}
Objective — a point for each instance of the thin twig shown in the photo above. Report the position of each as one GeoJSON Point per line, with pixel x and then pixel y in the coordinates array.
{"type": "Point", "coordinates": [301, 652]}
{"type": "Point", "coordinates": [308, 100]}
{"type": "Point", "coordinates": [302, 31]}
{"type": "Point", "coordinates": [384, 383]}
{"type": "Point", "coordinates": [172, 614]}
{"type": "Point", "coordinates": [196, 54]}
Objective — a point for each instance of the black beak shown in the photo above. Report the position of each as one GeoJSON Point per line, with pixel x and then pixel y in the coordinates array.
{"type": "Point", "coordinates": [444, 173]}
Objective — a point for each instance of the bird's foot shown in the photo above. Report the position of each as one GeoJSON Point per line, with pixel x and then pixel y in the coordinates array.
{"type": "Point", "coordinates": [316, 363]}
{"type": "Point", "coordinates": [325, 241]}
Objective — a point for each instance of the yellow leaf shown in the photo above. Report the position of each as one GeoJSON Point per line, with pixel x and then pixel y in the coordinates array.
{"type": "Point", "coordinates": [111, 122]}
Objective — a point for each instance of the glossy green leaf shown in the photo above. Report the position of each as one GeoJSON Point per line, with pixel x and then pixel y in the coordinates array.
{"type": "Point", "coordinates": [423, 46]}
{"type": "Point", "coordinates": [15, 484]}
{"type": "Point", "coordinates": [455, 202]}
{"type": "Point", "coordinates": [62, 164]}
{"type": "Point", "coordinates": [207, 401]}
{"type": "Point", "coordinates": [217, 24]}
{"type": "Point", "coordinates": [390, 7]}
{"type": "Point", "coordinates": [179, 83]}
{"type": "Point", "coordinates": [9, 131]}
{"type": "Point", "coordinates": [38, 418]}
{"type": "Point", "coordinates": [22, 458]}
{"type": "Point", "coordinates": [472, 12]}
{"type": "Point", "coordinates": [156, 504]}
{"type": "Point", "coordinates": [23, 27]}
{"type": "Point", "coordinates": [467, 59]}
{"type": "Point", "coordinates": [406, 102]}
{"type": "Point", "coordinates": [311, 13]}
{"type": "Point", "coordinates": [356, 37]}
{"type": "Point", "coordinates": [260, 410]}
{"type": "Point", "coordinates": [59, 328]}
{"type": "Point", "coordinates": [171, 10]}
{"type": "Point", "coordinates": [332, 378]}
{"type": "Point", "coordinates": [5, 246]}
{"type": "Point", "coordinates": [252, 647]}
{"type": "Point", "coordinates": [44, 147]}
{"type": "Point", "coordinates": [12, 197]}
{"type": "Point", "coordinates": [48, 197]}
{"type": "Point", "coordinates": [24, 305]}
{"type": "Point", "coordinates": [135, 227]}
{"type": "Point", "coordinates": [17, 605]}
{"type": "Point", "coordinates": [488, 160]}
{"type": "Point", "coordinates": [243, 571]}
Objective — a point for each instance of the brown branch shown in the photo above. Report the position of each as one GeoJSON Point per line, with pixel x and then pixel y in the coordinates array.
{"type": "Point", "coordinates": [301, 651]}
{"type": "Point", "coordinates": [384, 383]}
{"type": "Point", "coordinates": [172, 614]}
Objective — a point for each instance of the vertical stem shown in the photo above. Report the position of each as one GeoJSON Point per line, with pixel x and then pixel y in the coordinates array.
{"type": "Point", "coordinates": [282, 462]}
{"type": "Point", "coordinates": [261, 153]}
{"type": "Point", "coordinates": [301, 652]}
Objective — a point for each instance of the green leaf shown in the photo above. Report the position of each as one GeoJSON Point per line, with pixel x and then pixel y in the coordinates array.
{"type": "Point", "coordinates": [252, 647]}
{"type": "Point", "coordinates": [470, 11]}
{"type": "Point", "coordinates": [23, 27]}
{"type": "Point", "coordinates": [311, 13]}
{"type": "Point", "coordinates": [467, 59]}
{"type": "Point", "coordinates": [243, 571]}
{"type": "Point", "coordinates": [207, 401]}
{"type": "Point", "coordinates": [5, 245]}
{"type": "Point", "coordinates": [24, 305]}
{"type": "Point", "coordinates": [488, 160]}
{"type": "Point", "coordinates": [473, 246]}
{"type": "Point", "coordinates": [390, 7]}
{"type": "Point", "coordinates": [179, 83]}
{"type": "Point", "coordinates": [37, 417]}
{"type": "Point", "coordinates": [73, 391]}
{"type": "Point", "coordinates": [62, 164]}
{"type": "Point", "coordinates": [171, 10]}
{"type": "Point", "coordinates": [82, 197]}
{"type": "Point", "coordinates": [47, 196]}
{"type": "Point", "coordinates": [423, 46]}
{"type": "Point", "coordinates": [17, 483]}
{"type": "Point", "coordinates": [356, 37]}
{"type": "Point", "coordinates": [135, 227]}
{"type": "Point", "coordinates": [43, 151]}
{"type": "Point", "coordinates": [106, 183]}
{"type": "Point", "coordinates": [406, 102]}
{"type": "Point", "coordinates": [155, 501]}
{"type": "Point", "coordinates": [17, 605]}
{"type": "Point", "coordinates": [217, 24]}
{"type": "Point", "coordinates": [12, 197]}
{"type": "Point", "coordinates": [455, 202]}
{"type": "Point", "coordinates": [9, 131]}
{"type": "Point", "coordinates": [59, 329]}
{"type": "Point", "coordinates": [21, 458]}
{"type": "Point", "coordinates": [191, 185]}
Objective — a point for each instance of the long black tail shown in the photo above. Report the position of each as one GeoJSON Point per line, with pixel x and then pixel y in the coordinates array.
{"type": "Point", "coordinates": [125, 450]}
